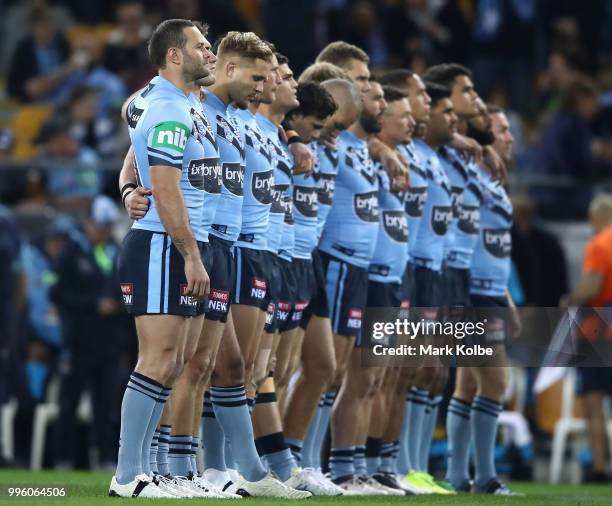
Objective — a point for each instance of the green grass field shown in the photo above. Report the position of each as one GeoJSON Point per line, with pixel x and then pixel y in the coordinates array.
{"type": "Point", "coordinates": [84, 489]}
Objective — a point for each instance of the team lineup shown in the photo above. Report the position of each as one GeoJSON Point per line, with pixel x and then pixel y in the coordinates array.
{"type": "Point", "coordinates": [270, 213]}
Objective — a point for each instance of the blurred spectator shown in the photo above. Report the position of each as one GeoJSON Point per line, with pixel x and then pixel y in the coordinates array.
{"type": "Point", "coordinates": [72, 178]}
{"type": "Point", "coordinates": [89, 126]}
{"type": "Point", "coordinates": [595, 290]}
{"type": "Point", "coordinates": [538, 257]}
{"type": "Point", "coordinates": [94, 326]}
{"type": "Point", "coordinates": [126, 50]}
{"type": "Point", "coordinates": [553, 82]}
{"type": "Point", "coordinates": [504, 36]}
{"type": "Point", "coordinates": [566, 149]}
{"type": "Point", "coordinates": [40, 62]}
{"type": "Point", "coordinates": [44, 333]}
{"type": "Point", "coordinates": [7, 143]}
{"type": "Point", "coordinates": [364, 29]}
{"type": "Point", "coordinates": [434, 31]}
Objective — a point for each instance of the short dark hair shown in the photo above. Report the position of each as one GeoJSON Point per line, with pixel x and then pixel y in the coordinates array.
{"type": "Point", "coordinates": [445, 73]}
{"type": "Point", "coordinates": [314, 100]}
{"type": "Point", "coordinates": [397, 77]}
{"type": "Point", "coordinates": [281, 58]}
{"type": "Point", "coordinates": [341, 53]}
{"type": "Point", "coordinates": [167, 34]}
{"type": "Point", "coordinates": [393, 94]}
{"type": "Point", "coordinates": [437, 92]}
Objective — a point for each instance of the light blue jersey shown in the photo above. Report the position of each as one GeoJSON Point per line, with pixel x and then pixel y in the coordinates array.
{"type": "Point", "coordinates": [162, 125]}
{"type": "Point", "coordinates": [258, 182]}
{"type": "Point", "coordinates": [437, 212]}
{"type": "Point", "coordinates": [206, 171]}
{"type": "Point", "coordinates": [491, 261]}
{"type": "Point", "coordinates": [228, 216]}
{"type": "Point", "coordinates": [467, 226]}
{"type": "Point", "coordinates": [352, 223]}
{"type": "Point", "coordinates": [325, 175]}
{"type": "Point", "coordinates": [416, 195]}
{"type": "Point", "coordinates": [282, 161]}
{"type": "Point", "coordinates": [389, 259]}
{"type": "Point", "coordinates": [305, 211]}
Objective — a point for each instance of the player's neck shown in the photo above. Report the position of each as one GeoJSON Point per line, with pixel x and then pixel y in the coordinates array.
{"type": "Point", "coordinates": [268, 112]}
{"type": "Point", "coordinates": [176, 78]}
{"type": "Point", "coordinates": [432, 141]}
{"type": "Point", "coordinates": [221, 91]}
{"type": "Point", "coordinates": [386, 139]}
{"type": "Point", "coordinates": [358, 130]}
{"type": "Point", "coordinates": [254, 107]}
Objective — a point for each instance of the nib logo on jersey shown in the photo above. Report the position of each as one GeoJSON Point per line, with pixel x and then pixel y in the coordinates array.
{"type": "Point", "coordinates": [127, 292]}
{"type": "Point", "coordinates": [441, 216]}
{"type": "Point", "coordinates": [261, 186]}
{"type": "Point", "coordinates": [171, 134]}
{"type": "Point", "coordinates": [366, 206]}
{"type": "Point", "coordinates": [415, 201]}
{"type": "Point", "coordinates": [327, 186]}
{"type": "Point", "coordinates": [498, 241]}
{"type": "Point", "coordinates": [233, 178]}
{"type": "Point", "coordinates": [354, 319]}
{"type": "Point", "coordinates": [396, 225]}
{"type": "Point", "coordinates": [469, 219]}
{"type": "Point", "coordinates": [184, 299]}
{"type": "Point", "coordinates": [218, 301]}
{"type": "Point", "coordinates": [205, 174]}
{"type": "Point", "coordinates": [258, 288]}
{"type": "Point", "coordinates": [306, 201]}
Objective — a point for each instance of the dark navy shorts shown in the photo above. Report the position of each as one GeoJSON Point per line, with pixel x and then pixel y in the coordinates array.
{"type": "Point", "coordinates": [304, 287]}
{"type": "Point", "coordinates": [272, 292]}
{"type": "Point", "coordinates": [251, 277]}
{"type": "Point", "coordinates": [286, 294]}
{"type": "Point", "coordinates": [347, 291]}
{"type": "Point", "coordinates": [383, 295]}
{"type": "Point", "coordinates": [594, 379]}
{"type": "Point", "coordinates": [152, 274]}
{"type": "Point", "coordinates": [493, 312]}
{"type": "Point", "coordinates": [222, 278]}
{"type": "Point", "coordinates": [456, 288]}
{"type": "Point", "coordinates": [319, 305]}
{"type": "Point", "coordinates": [427, 294]}
{"type": "Point", "coordinates": [408, 283]}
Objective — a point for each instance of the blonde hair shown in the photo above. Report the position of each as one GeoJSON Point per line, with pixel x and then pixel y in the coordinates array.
{"type": "Point", "coordinates": [246, 45]}
{"type": "Point", "coordinates": [323, 71]}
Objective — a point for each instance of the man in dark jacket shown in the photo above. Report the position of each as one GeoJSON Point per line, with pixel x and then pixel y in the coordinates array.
{"type": "Point", "coordinates": [94, 328]}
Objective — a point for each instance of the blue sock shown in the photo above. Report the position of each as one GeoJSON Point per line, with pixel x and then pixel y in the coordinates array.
{"type": "Point", "coordinates": [213, 438]}
{"type": "Point", "coordinates": [230, 463]}
{"type": "Point", "coordinates": [395, 454]}
{"type": "Point", "coordinates": [429, 425]}
{"type": "Point", "coordinates": [163, 446]}
{"type": "Point", "coordinates": [360, 461]}
{"type": "Point", "coordinates": [403, 465]}
{"type": "Point", "coordinates": [483, 420]}
{"type": "Point", "coordinates": [195, 444]}
{"type": "Point", "coordinates": [230, 405]}
{"type": "Point", "coordinates": [386, 458]}
{"type": "Point", "coordinates": [148, 438]}
{"type": "Point", "coordinates": [277, 454]}
{"type": "Point", "coordinates": [137, 407]}
{"type": "Point", "coordinates": [322, 426]}
{"type": "Point", "coordinates": [153, 453]}
{"type": "Point", "coordinates": [179, 454]}
{"type": "Point", "coordinates": [459, 434]}
{"type": "Point", "coordinates": [372, 454]}
{"type": "Point", "coordinates": [295, 445]}
{"type": "Point", "coordinates": [308, 459]}
{"type": "Point", "coordinates": [418, 400]}
{"type": "Point", "coordinates": [342, 463]}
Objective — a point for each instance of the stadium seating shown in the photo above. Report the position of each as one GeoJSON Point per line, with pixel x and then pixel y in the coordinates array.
{"type": "Point", "coordinates": [25, 126]}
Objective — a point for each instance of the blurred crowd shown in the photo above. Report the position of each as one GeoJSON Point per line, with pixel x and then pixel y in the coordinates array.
{"type": "Point", "coordinates": [67, 66]}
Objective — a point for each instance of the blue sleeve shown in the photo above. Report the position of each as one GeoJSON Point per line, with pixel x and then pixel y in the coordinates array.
{"type": "Point", "coordinates": [167, 128]}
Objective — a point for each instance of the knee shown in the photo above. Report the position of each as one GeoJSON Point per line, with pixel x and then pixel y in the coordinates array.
{"type": "Point", "coordinates": [321, 370]}
{"type": "Point", "coordinates": [493, 384]}
{"type": "Point", "coordinates": [231, 372]}
{"type": "Point", "coordinates": [199, 367]}
{"type": "Point", "coordinates": [425, 377]}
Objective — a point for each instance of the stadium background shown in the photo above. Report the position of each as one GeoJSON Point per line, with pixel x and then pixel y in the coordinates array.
{"type": "Point", "coordinates": [524, 54]}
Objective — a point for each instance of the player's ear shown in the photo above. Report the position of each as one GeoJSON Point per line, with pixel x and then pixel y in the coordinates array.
{"type": "Point", "coordinates": [230, 69]}
{"type": "Point", "coordinates": [174, 55]}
